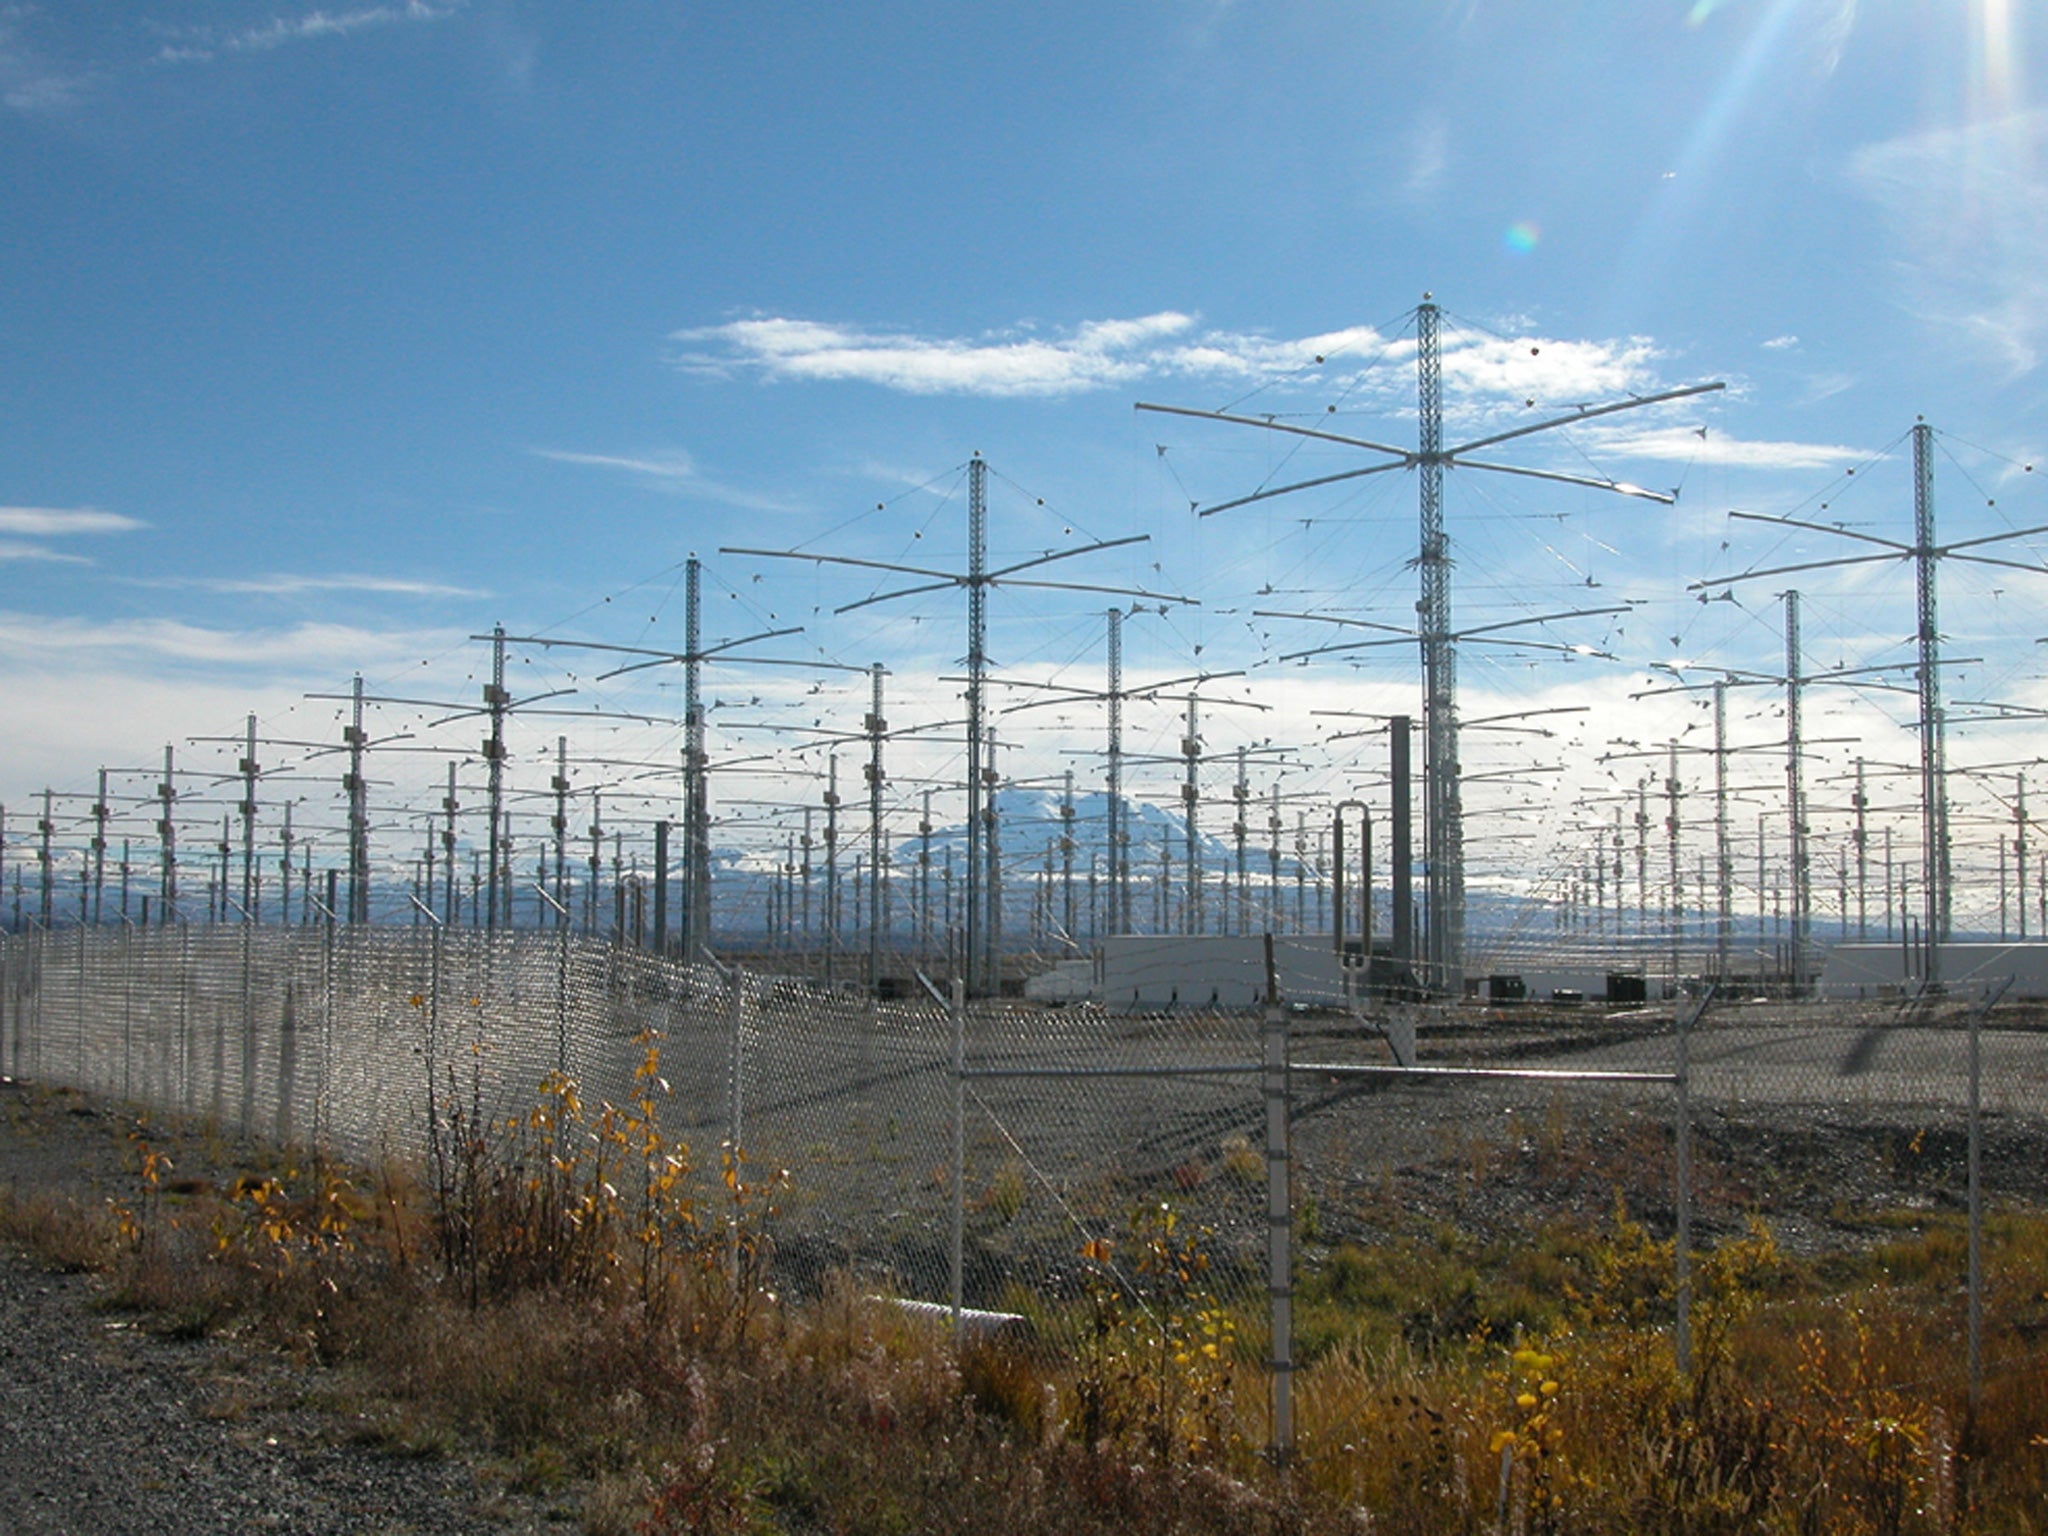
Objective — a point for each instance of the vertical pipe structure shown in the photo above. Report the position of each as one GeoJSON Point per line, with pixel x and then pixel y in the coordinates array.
{"type": "Point", "coordinates": [596, 860]}
{"type": "Point", "coordinates": [1191, 796]}
{"type": "Point", "coordinates": [1119, 836]}
{"type": "Point", "coordinates": [1795, 797]}
{"type": "Point", "coordinates": [495, 700]}
{"type": "Point", "coordinates": [977, 671]}
{"type": "Point", "coordinates": [249, 771]}
{"type": "Point", "coordinates": [1933, 723]}
{"type": "Point", "coordinates": [878, 854]}
{"type": "Point", "coordinates": [1724, 861]}
{"type": "Point", "coordinates": [696, 776]}
{"type": "Point", "coordinates": [1443, 811]}
{"type": "Point", "coordinates": [167, 833]}
{"type": "Point", "coordinates": [358, 810]}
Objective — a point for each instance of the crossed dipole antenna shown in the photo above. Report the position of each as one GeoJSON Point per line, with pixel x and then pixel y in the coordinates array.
{"type": "Point", "coordinates": [983, 920]}
{"type": "Point", "coordinates": [1926, 555]}
{"type": "Point", "coordinates": [1429, 458]}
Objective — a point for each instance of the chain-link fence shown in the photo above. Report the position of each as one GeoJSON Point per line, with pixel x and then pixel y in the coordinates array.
{"type": "Point", "coordinates": [1050, 1161]}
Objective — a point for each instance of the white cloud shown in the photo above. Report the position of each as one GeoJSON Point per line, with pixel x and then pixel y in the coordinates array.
{"type": "Point", "coordinates": [1781, 343]}
{"type": "Point", "coordinates": [1970, 215]}
{"type": "Point", "coordinates": [11, 549]}
{"type": "Point", "coordinates": [57, 522]}
{"type": "Point", "coordinates": [279, 31]}
{"type": "Point", "coordinates": [285, 584]}
{"type": "Point", "coordinates": [1687, 445]}
{"type": "Point", "coordinates": [669, 469]}
{"type": "Point", "coordinates": [35, 641]}
{"type": "Point", "coordinates": [1358, 364]}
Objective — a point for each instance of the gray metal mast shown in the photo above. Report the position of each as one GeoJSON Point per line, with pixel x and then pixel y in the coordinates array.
{"type": "Point", "coordinates": [1067, 917]}
{"type": "Point", "coordinates": [358, 810]}
{"type": "Point", "coordinates": [1443, 806]}
{"type": "Point", "coordinates": [1933, 723]}
{"type": "Point", "coordinates": [831, 862]}
{"type": "Point", "coordinates": [167, 830]}
{"type": "Point", "coordinates": [1241, 793]}
{"type": "Point", "coordinates": [1795, 801]}
{"type": "Point", "coordinates": [1676, 902]}
{"type": "Point", "coordinates": [250, 770]}
{"type": "Point", "coordinates": [1724, 863]}
{"type": "Point", "coordinates": [696, 770]}
{"type": "Point", "coordinates": [992, 878]}
{"type": "Point", "coordinates": [450, 805]}
{"type": "Point", "coordinates": [99, 850]}
{"type": "Point", "coordinates": [558, 824]}
{"type": "Point", "coordinates": [1862, 836]}
{"type": "Point", "coordinates": [878, 859]}
{"type": "Point", "coordinates": [1119, 835]}
{"type": "Point", "coordinates": [977, 677]}
{"type": "Point", "coordinates": [48, 829]}
{"type": "Point", "coordinates": [1191, 796]}
{"type": "Point", "coordinates": [495, 700]}
{"type": "Point", "coordinates": [2019, 847]}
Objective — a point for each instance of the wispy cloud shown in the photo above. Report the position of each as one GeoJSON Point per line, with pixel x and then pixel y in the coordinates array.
{"type": "Point", "coordinates": [289, 585]}
{"type": "Point", "coordinates": [668, 469]}
{"type": "Point", "coordinates": [202, 45]}
{"type": "Point", "coordinates": [42, 640]}
{"type": "Point", "coordinates": [14, 549]}
{"type": "Point", "coordinates": [60, 522]}
{"type": "Point", "coordinates": [1699, 445]}
{"type": "Point", "coordinates": [1358, 364]}
{"type": "Point", "coordinates": [1970, 214]}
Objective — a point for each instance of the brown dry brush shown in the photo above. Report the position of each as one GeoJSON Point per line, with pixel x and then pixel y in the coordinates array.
{"type": "Point", "coordinates": [566, 1290]}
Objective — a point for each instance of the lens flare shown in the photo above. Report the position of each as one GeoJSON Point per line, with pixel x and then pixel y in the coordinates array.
{"type": "Point", "coordinates": [1521, 237]}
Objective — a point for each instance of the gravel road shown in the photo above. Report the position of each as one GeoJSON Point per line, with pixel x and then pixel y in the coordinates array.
{"type": "Point", "coordinates": [109, 1430]}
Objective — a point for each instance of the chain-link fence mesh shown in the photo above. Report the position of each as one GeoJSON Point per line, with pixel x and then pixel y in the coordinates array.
{"type": "Point", "coordinates": [1100, 1153]}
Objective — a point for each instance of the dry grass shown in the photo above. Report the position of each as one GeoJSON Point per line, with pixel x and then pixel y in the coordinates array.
{"type": "Point", "coordinates": [550, 1292]}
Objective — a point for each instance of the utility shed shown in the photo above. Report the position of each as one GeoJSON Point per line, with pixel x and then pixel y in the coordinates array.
{"type": "Point", "coordinates": [1885, 970]}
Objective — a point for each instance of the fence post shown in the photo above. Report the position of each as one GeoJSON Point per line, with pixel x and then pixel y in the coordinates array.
{"type": "Point", "coordinates": [957, 1236]}
{"type": "Point", "coordinates": [1681, 1137]}
{"type": "Point", "coordinates": [1279, 1216]}
{"type": "Point", "coordinates": [1976, 1277]}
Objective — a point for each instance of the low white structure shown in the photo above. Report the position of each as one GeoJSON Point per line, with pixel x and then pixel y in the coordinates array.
{"type": "Point", "coordinates": [1139, 972]}
{"type": "Point", "coordinates": [1886, 970]}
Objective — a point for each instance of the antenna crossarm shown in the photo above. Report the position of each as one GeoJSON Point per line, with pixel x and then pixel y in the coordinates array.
{"type": "Point", "coordinates": [1786, 570]}
{"type": "Point", "coordinates": [1587, 414]}
{"type": "Point", "coordinates": [1302, 485]}
{"type": "Point", "coordinates": [1269, 424]}
{"type": "Point", "coordinates": [872, 565]}
{"type": "Point", "coordinates": [1067, 554]}
{"type": "Point", "coordinates": [1845, 533]}
{"type": "Point", "coordinates": [1590, 482]}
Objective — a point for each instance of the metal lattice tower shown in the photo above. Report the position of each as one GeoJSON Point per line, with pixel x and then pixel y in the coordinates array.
{"type": "Point", "coordinates": [167, 831]}
{"type": "Point", "coordinates": [1192, 916]}
{"type": "Point", "coordinates": [1443, 806]}
{"type": "Point", "coordinates": [977, 680]}
{"type": "Point", "coordinates": [1724, 863]}
{"type": "Point", "coordinates": [1933, 724]}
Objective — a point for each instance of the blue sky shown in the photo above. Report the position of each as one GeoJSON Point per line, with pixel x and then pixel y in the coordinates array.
{"type": "Point", "coordinates": [333, 335]}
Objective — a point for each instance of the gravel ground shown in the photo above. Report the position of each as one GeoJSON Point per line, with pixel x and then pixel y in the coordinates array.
{"type": "Point", "coordinates": [109, 1430]}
